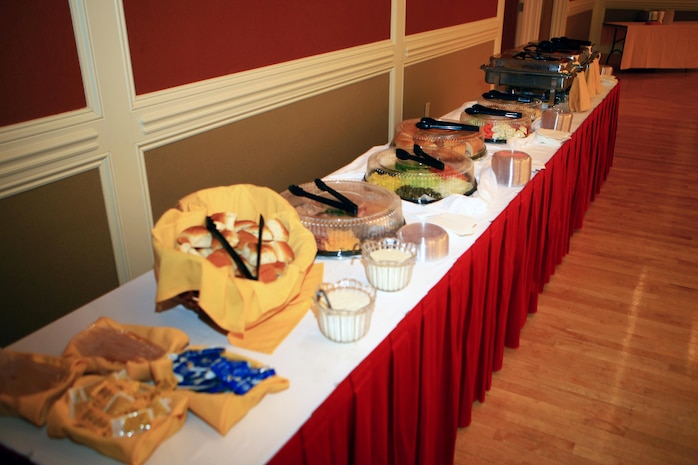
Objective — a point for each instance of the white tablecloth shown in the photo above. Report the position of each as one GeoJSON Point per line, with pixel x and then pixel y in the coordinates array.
{"type": "Point", "coordinates": [313, 364]}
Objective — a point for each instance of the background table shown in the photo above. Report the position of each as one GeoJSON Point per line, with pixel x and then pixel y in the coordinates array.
{"type": "Point", "coordinates": [669, 46]}
{"type": "Point", "coordinates": [398, 395]}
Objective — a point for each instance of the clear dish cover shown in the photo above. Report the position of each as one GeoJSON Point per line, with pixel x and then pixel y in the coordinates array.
{"type": "Point", "coordinates": [468, 143]}
{"type": "Point", "coordinates": [419, 182]}
{"type": "Point", "coordinates": [499, 129]}
{"type": "Point", "coordinates": [338, 233]}
{"type": "Point", "coordinates": [533, 109]}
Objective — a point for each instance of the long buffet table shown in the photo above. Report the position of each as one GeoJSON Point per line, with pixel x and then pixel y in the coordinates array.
{"type": "Point", "coordinates": [399, 394]}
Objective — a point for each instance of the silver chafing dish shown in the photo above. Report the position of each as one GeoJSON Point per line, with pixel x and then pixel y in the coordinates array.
{"type": "Point", "coordinates": [580, 52]}
{"type": "Point", "coordinates": [543, 70]}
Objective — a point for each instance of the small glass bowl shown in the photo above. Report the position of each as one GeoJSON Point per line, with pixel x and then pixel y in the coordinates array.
{"type": "Point", "coordinates": [343, 309]}
{"type": "Point", "coordinates": [389, 263]}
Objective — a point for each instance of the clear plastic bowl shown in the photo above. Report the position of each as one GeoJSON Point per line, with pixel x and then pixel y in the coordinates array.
{"type": "Point", "coordinates": [419, 183]}
{"type": "Point", "coordinates": [389, 263]}
{"type": "Point", "coordinates": [338, 234]}
{"type": "Point", "coordinates": [343, 309]}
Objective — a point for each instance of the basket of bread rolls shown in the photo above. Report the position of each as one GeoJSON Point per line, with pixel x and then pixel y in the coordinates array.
{"type": "Point", "coordinates": [238, 253]}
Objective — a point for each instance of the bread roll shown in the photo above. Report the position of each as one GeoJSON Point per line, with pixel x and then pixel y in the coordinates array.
{"type": "Point", "coordinates": [284, 252]}
{"type": "Point", "coordinates": [270, 272]}
{"type": "Point", "coordinates": [186, 247]}
{"type": "Point", "coordinates": [197, 236]}
{"type": "Point", "coordinates": [275, 250]}
{"type": "Point", "coordinates": [244, 225]}
{"type": "Point", "coordinates": [230, 235]}
{"type": "Point", "coordinates": [254, 230]}
{"type": "Point", "coordinates": [278, 229]}
{"type": "Point", "coordinates": [224, 220]}
{"type": "Point", "coordinates": [245, 238]}
{"type": "Point", "coordinates": [220, 258]}
{"type": "Point", "coordinates": [249, 252]}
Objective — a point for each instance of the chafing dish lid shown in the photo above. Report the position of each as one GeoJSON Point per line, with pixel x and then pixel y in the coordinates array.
{"type": "Point", "coordinates": [531, 61]}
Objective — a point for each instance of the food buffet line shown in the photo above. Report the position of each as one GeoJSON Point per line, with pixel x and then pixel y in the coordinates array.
{"type": "Point", "coordinates": [262, 306]}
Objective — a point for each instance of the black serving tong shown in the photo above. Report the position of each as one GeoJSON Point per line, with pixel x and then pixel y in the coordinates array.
{"type": "Point", "coordinates": [260, 231]}
{"type": "Point", "coordinates": [211, 226]}
{"type": "Point", "coordinates": [420, 156]}
{"type": "Point", "coordinates": [498, 95]}
{"type": "Point", "coordinates": [431, 123]}
{"type": "Point", "coordinates": [340, 201]}
{"type": "Point", "coordinates": [478, 109]}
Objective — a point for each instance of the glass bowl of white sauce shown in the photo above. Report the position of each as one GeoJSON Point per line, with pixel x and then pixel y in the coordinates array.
{"type": "Point", "coordinates": [388, 263]}
{"type": "Point", "coordinates": [343, 309]}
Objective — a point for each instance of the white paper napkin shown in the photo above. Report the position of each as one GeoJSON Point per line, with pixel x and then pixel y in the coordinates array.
{"type": "Point", "coordinates": [456, 213]}
{"type": "Point", "coordinates": [551, 137]}
{"type": "Point", "coordinates": [487, 186]}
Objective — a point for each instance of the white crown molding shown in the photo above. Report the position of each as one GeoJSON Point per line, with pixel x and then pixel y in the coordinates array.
{"type": "Point", "coordinates": [27, 166]}
{"type": "Point", "coordinates": [26, 131]}
{"type": "Point", "coordinates": [83, 42]}
{"type": "Point", "coordinates": [432, 44]}
{"type": "Point", "coordinates": [164, 116]}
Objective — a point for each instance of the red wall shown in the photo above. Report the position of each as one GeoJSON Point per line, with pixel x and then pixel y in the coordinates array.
{"type": "Point", "coordinates": [427, 15]}
{"type": "Point", "coordinates": [175, 42]}
{"type": "Point", "coordinates": [39, 61]}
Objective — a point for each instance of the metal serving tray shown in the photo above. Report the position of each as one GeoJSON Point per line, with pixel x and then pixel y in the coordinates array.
{"type": "Point", "coordinates": [581, 53]}
{"type": "Point", "coordinates": [521, 78]}
{"type": "Point", "coordinates": [522, 60]}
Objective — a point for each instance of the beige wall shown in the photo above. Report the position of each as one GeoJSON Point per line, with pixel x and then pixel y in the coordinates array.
{"type": "Point", "coordinates": [291, 145]}
{"type": "Point", "coordinates": [56, 254]}
{"type": "Point", "coordinates": [445, 82]}
{"type": "Point", "coordinates": [578, 26]}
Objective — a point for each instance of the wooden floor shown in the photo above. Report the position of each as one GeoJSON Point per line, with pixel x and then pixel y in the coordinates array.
{"type": "Point", "coordinates": [607, 371]}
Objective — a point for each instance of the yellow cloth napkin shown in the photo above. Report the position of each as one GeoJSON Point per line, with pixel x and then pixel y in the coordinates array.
{"type": "Point", "coordinates": [593, 78]}
{"type": "Point", "coordinates": [222, 411]}
{"type": "Point", "coordinates": [133, 450]}
{"type": "Point", "coordinates": [579, 95]}
{"type": "Point", "coordinates": [171, 340]}
{"type": "Point", "coordinates": [234, 304]}
{"type": "Point", "coordinates": [597, 75]}
{"type": "Point", "coordinates": [18, 368]}
{"type": "Point", "coordinates": [266, 336]}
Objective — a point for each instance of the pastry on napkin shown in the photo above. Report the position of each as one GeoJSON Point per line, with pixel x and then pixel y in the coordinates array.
{"type": "Point", "coordinates": [108, 346]}
{"type": "Point", "coordinates": [117, 416]}
{"type": "Point", "coordinates": [31, 383]}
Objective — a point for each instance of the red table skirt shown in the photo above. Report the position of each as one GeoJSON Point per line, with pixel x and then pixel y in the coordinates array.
{"type": "Point", "coordinates": [404, 403]}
